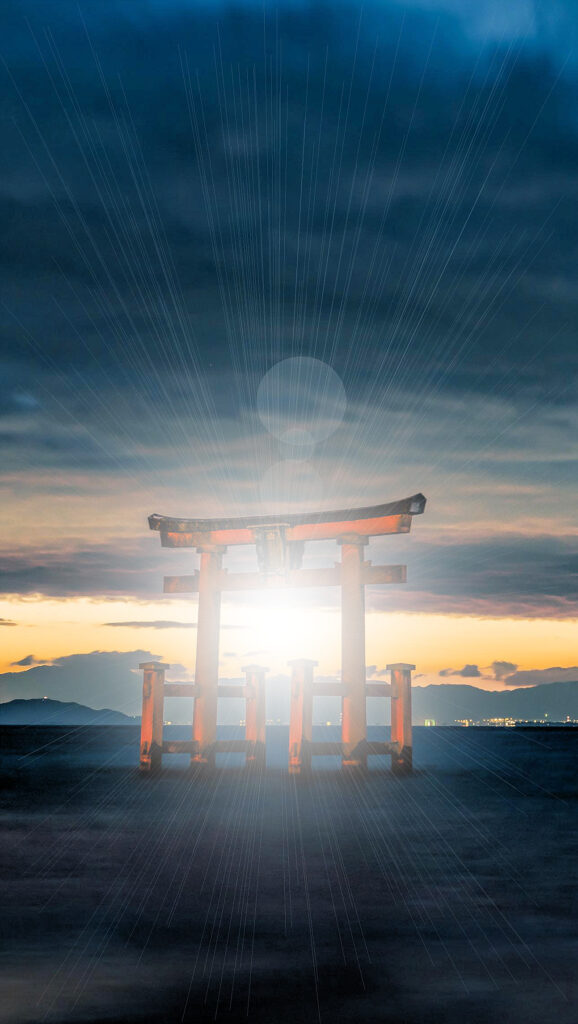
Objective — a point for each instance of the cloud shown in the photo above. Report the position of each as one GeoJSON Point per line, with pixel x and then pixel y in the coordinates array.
{"type": "Point", "coordinates": [457, 335]}
{"type": "Point", "coordinates": [30, 660]}
{"type": "Point", "coordinates": [512, 574]}
{"type": "Point", "coordinates": [536, 676]}
{"type": "Point", "coordinates": [153, 624]}
{"type": "Point", "coordinates": [7, 622]}
{"type": "Point", "coordinates": [467, 672]}
{"type": "Point", "coordinates": [503, 668]}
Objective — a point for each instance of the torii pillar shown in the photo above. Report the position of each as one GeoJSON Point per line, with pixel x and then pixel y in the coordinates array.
{"type": "Point", "coordinates": [401, 732]}
{"type": "Point", "coordinates": [255, 715]}
{"type": "Point", "coordinates": [153, 701]}
{"type": "Point", "coordinates": [207, 661]}
{"type": "Point", "coordinates": [301, 716]}
{"type": "Point", "coordinates": [354, 716]}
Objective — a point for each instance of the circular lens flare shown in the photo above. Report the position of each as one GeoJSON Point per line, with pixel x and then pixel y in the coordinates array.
{"type": "Point", "coordinates": [301, 401]}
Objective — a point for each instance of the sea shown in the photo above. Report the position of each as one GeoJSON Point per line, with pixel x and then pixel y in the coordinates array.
{"type": "Point", "coordinates": [449, 896]}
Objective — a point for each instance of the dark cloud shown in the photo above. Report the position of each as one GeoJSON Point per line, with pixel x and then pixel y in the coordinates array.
{"type": "Point", "coordinates": [153, 624]}
{"type": "Point", "coordinates": [406, 214]}
{"type": "Point", "coordinates": [30, 660]}
{"type": "Point", "coordinates": [165, 624]}
{"type": "Point", "coordinates": [467, 672]}
{"type": "Point", "coordinates": [511, 575]}
{"type": "Point", "coordinates": [7, 622]}
{"type": "Point", "coordinates": [457, 205]}
{"type": "Point", "coordinates": [503, 668]}
{"type": "Point", "coordinates": [107, 570]}
{"type": "Point", "coordinates": [536, 676]}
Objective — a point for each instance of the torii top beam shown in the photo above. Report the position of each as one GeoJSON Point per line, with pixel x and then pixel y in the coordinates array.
{"type": "Point", "coordinates": [372, 521]}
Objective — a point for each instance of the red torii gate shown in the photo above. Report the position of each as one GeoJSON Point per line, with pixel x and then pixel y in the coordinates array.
{"type": "Point", "coordinates": [280, 543]}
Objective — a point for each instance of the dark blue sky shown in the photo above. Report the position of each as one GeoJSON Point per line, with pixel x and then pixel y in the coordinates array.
{"type": "Point", "coordinates": [190, 194]}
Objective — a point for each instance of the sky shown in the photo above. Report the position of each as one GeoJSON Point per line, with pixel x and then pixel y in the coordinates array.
{"type": "Point", "coordinates": [198, 201]}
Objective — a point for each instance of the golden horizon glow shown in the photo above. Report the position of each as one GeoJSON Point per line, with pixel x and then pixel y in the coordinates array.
{"type": "Point", "coordinates": [280, 629]}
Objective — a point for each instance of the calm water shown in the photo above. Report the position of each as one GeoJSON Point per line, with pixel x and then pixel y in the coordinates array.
{"type": "Point", "coordinates": [450, 896]}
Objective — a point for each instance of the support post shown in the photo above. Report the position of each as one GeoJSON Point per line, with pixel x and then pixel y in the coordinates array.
{"type": "Point", "coordinates": [354, 717]}
{"type": "Point", "coordinates": [207, 661]}
{"type": "Point", "coordinates": [401, 733]}
{"type": "Point", "coordinates": [151, 727]}
{"type": "Point", "coordinates": [255, 715]}
{"type": "Point", "coordinates": [301, 718]}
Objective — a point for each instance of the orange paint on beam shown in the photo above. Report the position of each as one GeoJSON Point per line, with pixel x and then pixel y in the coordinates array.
{"type": "Point", "coordinates": [377, 527]}
{"type": "Point", "coordinates": [363, 527]}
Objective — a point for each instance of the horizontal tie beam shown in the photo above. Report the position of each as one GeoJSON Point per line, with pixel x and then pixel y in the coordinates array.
{"type": "Point", "coordinates": [381, 748]}
{"type": "Point", "coordinates": [325, 748]}
{"type": "Point", "coordinates": [179, 747]}
{"type": "Point", "coordinates": [191, 690]}
{"type": "Point", "coordinates": [227, 690]}
{"type": "Point", "coordinates": [371, 574]}
{"type": "Point", "coordinates": [232, 746]}
{"type": "Point", "coordinates": [328, 690]}
{"type": "Point", "coordinates": [180, 690]}
{"type": "Point", "coordinates": [378, 690]}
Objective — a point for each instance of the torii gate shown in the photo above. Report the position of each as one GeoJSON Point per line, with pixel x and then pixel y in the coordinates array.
{"type": "Point", "coordinates": [280, 543]}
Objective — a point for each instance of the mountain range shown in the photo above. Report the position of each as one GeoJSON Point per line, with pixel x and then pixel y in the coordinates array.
{"type": "Point", "coordinates": [42, 711]}
{"type": "Point", "coordinates": [444, 703]}
{"type": "Point", "coordinates": [448, 702]}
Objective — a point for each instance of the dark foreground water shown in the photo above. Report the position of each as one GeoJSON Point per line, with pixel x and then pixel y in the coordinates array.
{"type": "Point", "coordinates": [450, 897]}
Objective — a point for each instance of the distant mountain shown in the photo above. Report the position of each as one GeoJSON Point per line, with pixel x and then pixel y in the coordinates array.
{"type": "Point", "coordinates": [42, 711]}
{"type": "Point", "coordinates": [447, 702]}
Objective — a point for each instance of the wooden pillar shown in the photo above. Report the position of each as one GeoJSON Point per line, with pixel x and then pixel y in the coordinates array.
{"type": "Point", "coordinates": [354, 717]}
{"type": "Point", "coordinates": [151, 727]}
{"type": "Point", "coordinates": [301, 718]}
{"type": "Point", "coordinates": [401, 758]}
{"type": "Point", "coordinates": [207, 661]}
{"type": "Point", "coordinates": [255, 715]}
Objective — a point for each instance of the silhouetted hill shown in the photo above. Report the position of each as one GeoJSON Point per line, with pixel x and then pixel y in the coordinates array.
{"type": "Point", "coordinates": [43, 711]}
{"type": "Point", "coordinates": [446, 702]}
